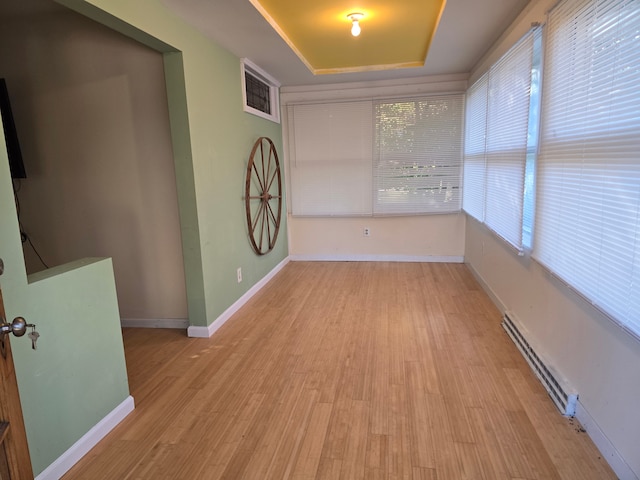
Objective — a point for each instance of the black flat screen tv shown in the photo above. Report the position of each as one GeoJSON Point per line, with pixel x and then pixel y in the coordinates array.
{"type": "Point", "coordinates": [10, 135]}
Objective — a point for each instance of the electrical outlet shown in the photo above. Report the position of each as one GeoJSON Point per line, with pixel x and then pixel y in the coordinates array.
{"type": "Point", "coordinates": [366, 232]}
{"type": "Point", "coordinates": [239, 272]}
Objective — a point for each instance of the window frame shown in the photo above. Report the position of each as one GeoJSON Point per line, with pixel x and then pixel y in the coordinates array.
{"type": "Point", "coordinates": [490, 164]}
{"type": "Point", "coordinates": [293, 147]}
{"type": "Point", "coordinates": [248, 67]}
{"type": "Point", "coordinates": [438, 163]}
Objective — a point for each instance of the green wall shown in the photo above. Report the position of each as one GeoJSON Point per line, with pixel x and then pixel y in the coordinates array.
{"type": "Point", "coordinates": [77, 375]}
{"type": "Point", "coordinates": [212, 139]}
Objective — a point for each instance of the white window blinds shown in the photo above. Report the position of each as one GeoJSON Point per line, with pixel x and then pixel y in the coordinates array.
{"type": "Point", "coordinates": [418, 154]}
{"type": "Point", "coordinates": [388, 157]}
{"type": "Point", "coordinates": [494, 188]}
{"type": "Point", "coordinates": [330, 148]}
{"type": "Point", "coordinates": [475, 158]}
{"type": "Point", "coordinates": [588, 209]}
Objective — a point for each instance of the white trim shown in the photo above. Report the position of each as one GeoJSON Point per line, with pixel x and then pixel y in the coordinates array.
{"type": "Point", "coordinates": [608, 451]}
{"type": "Point", "coordinates": [68, 459]}
{"type": "Point", "coordinates": [206, 332]}
{"type": "Point", "coordinates": [181, 323]}
{"type": "Point", "coordinates": [380, 89]}
{"type": "Point", "coordinates": [487, 289]}
{"type": "Point", "coordinates": [378, 258]}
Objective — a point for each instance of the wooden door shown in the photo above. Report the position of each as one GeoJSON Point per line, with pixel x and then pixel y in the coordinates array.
{"type": "Point", "coordinates": [15, 463]}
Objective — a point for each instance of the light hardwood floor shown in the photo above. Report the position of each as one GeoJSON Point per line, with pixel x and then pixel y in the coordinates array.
{"type": "Point", "coordinates": [343, 371]}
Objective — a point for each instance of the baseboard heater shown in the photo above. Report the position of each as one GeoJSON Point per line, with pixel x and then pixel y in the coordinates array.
{"type": "Point", "coordinates": [562, 395]}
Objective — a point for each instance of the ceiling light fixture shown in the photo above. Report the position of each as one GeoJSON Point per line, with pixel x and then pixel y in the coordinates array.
{"type": "Point", "coordinates": [355, 19]}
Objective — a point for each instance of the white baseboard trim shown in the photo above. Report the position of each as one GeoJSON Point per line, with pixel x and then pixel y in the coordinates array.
{"type": "Point", "coordinates": [608, 451]}
{"type": "Point", "coordinates": [488, 290]}
{"type": "Point", "coordinates": [79, 449]}
{"type": "Point", "coordinates": [206, 332]}
{"type": "Point", "coordinates": [378, 258]}
{"type": "Point", "coordinates": [181, 323]}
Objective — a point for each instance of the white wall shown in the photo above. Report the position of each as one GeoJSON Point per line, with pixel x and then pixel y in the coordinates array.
{"type": "Point", "coordinates": [91, 112]}
{"type": "Point", "coordinates": [412, 238]}
{"type": "Point", "coordinates": [417, 238]}
{"type": "Point", "coordinates": [598, 359]}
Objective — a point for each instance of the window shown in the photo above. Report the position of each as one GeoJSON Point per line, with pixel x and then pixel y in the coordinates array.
{"type": "Point", "coordinates": [588, 207]}
{"type": "Point", "coordinates": [383, 157]}
{"type": "Point", "coordinates": [418, 155]}
{"type": "Point", "coordinates": [330, 158]}
{"type": "Point", "coordinates": [260, 94]}
{"type": "Point", "coordinates": [475, 158]}
{"type": "Point", "coordinates": [498, 138]}
{"type": "Point", "coordinates": [528, 211]}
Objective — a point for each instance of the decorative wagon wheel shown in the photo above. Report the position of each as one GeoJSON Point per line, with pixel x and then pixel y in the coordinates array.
{"type": "Point", "coordinates": [263, 196]}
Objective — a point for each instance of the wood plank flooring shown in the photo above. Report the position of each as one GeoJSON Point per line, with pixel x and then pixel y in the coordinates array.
{"type": "Point", "coordinates": [343, 371]}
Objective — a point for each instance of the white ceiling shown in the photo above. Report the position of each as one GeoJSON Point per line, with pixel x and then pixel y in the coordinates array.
{"type": "Point", "coordinates": [467, 30]}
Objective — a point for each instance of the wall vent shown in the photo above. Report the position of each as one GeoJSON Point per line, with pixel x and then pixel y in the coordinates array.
{"type": "Point", "coordinates": [260, 92]}
{"type": "Point", "coordinates": [562, 395]}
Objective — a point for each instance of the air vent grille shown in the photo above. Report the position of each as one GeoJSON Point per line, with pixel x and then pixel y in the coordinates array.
{"type": "Point", "coordinates": [563, 396]}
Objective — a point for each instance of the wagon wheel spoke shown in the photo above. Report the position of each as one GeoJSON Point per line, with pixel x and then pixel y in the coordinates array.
{"type": "Point", "coordinates": [258, 217]}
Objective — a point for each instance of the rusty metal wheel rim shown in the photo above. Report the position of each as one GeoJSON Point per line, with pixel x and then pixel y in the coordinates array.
{"type": "Point", "coordinates": [263, 196]}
